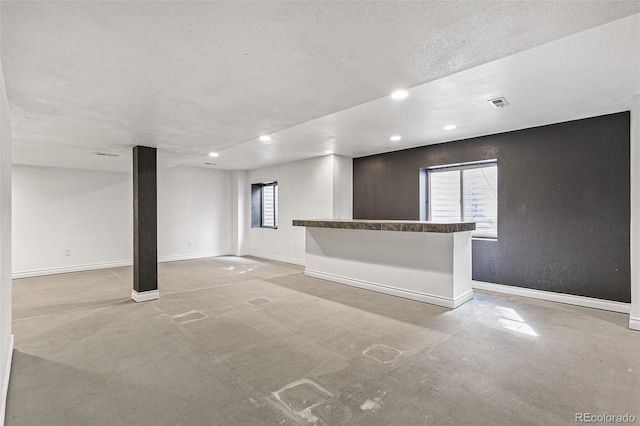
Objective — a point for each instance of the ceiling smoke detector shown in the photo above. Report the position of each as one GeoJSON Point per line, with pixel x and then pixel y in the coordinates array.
{"type": "Point", "coordinates": [498, 102]}
{"type": "Point", "coordinates": [106, 154]}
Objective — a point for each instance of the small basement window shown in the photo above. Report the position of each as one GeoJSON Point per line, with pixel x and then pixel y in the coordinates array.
{"type": "Point", "coordinates": [467, 193]}
{"type": "Point", "coordinates": [264, 205]}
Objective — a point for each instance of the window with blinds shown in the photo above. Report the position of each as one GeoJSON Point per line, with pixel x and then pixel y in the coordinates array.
{"type": "Point", "coordinates": [467, 193]}
{"type": "Point", "coordinates": [270, 205]}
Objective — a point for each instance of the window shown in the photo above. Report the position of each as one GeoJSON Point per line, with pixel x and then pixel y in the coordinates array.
{"type": "Point", "coordinates": [465, 192]}
{"type": "Point", "coordinates": [270, 205]}
{"type": "Point", "coordinates": [264, 205]}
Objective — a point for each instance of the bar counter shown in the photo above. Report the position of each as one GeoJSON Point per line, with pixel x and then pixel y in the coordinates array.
{"type": "Point", "coordinates": [425, 261]}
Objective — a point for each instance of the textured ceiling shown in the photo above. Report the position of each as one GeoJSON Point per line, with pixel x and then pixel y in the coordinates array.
{"type": "Point", "coordinates": [194, 77]}
{"type": "Point", "coordinates": [584, 75]}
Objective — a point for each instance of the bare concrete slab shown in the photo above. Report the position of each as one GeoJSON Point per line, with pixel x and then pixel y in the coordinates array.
{"type": "Point", "coordinates": [258, 301]}
{"type": "Point", "coordinates": [188, 317]}
{"type": "Point", "coordinates": [302, 394]}
{"type": "Point", "coordinates": [382, 353]}
{"type": "Point", "coordinates": [333, 355]}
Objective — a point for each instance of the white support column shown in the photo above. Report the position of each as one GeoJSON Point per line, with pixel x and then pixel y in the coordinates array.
{"type": "Point", "coordinates": [634, 316]}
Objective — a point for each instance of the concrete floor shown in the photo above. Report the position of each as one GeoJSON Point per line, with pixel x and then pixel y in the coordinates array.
{"type": "Point", "coordinates": [243, 341]}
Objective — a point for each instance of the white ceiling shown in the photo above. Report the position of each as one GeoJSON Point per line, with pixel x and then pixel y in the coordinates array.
{"type": "Point", "coordinates": [194, 77]}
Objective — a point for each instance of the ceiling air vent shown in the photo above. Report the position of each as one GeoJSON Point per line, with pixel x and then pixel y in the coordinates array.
{"type": "Point", "coordinates": [211, 164]}
{"type": "Point", "coordinates": [106, 154]}
{"type": "Point", "coordinates": [498, 102]}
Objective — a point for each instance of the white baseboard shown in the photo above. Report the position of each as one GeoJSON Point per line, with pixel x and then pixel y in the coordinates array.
{"type": "Point", "coordinates": [634, 323]}
{"type": "Point", "coordinates": [277, 258]}
{"type": "Point", "coordinates": [463, 298]}
{"type": "Point", "coordinates": [5, 385]}
{"type": "Point", "coordinates": [569, 299]}
{"type": "Point", "coordinates": [68, 269]}
{"type": "Point", "coordinates": [393, 291]}
{"type": "Point", "coordinates": [106, 265]}
{"type": "Point", "coordinates": [175, 258]}
{"type": "Point", "coordinates": [145, 296]}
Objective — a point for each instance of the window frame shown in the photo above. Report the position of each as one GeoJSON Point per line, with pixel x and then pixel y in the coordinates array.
{"type": "Point", "coordinates": [257, 205]}
{"type": "Point", "coordinates": [264, 185]}
{"type": "Point", "coordinates": [453, 167]}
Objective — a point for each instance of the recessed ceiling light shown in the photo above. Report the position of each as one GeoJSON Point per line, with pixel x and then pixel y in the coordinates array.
{"type": "Point", "coordinates": [328, 152]}
{"type": "Point", "coordinates": [213, 154]}
{"type": "Point", "coordinates": [399, 94]}
{"type": "Point", "coordinates": [450, 127]}
{"type": "Point", "coordinates": [395, 138]}
{"type": "Point", "coordinates": [265, 138]}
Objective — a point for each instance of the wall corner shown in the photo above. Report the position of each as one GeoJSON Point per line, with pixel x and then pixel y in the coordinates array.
{"type": "Point", "coordinates": [342, 187]}
{"type": "Point", "coordinates": [6, 338]}
{"type": "Point", "coordinates": [634, 316]}
{"type": "Point", "coordinates": [240, 205]}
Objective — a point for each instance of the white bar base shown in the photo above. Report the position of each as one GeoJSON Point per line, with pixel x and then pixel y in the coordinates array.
{"type": "Point", "coordinates": [424, 266]}
{"type": "Point", "coordinates": [634, 323]}
{"type": "Point", "coordinates": [447, 302]}
{"type": "Point", "coordinates": [145, 296]}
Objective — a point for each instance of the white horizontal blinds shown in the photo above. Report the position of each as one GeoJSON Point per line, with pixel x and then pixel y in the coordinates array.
{"type": "Point", "coordinates": [480, 199]}
{"type": "Point", "coordinates": [269, 199]}
{"type": "Point", "coordinates": [466, 192]}
{"type": "Point", "coordinates": [444, 199]}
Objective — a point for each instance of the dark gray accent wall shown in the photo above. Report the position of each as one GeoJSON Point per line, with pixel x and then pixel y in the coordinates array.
{"type": "Point", "coordinates": [145, 220]}
{"type": "Point", "coordinates": [563, 203]}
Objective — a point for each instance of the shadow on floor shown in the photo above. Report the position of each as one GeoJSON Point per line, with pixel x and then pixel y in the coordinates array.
{"type": "Point", "coordinates": [397, 308]}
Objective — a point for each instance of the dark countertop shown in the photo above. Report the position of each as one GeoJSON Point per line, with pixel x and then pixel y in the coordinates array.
{"type": "Point", "coordinates": [388, 225]}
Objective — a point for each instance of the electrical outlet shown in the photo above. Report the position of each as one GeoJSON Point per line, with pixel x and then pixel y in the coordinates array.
{"type": "Point", "coordinates": [190, 243]}
{"type": "Point", "coordinates": [295, 247]}
{"type": "Point", "coordinates": [67, 252]}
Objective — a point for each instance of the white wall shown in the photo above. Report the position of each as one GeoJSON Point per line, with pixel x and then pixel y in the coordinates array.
{"type": "Point", "coordinates": [201, 213]}
{"type": "Point", "coordinates": [342, 187]}
{"type": "Point", "coordinates": [310, 189]}
{"type": "Point", "coordinates": [85, 211]}
{"type": "Point", "coordinates": [194, 205]}
{"type": "Point", "coordinates": [634, 317]}
{"type": "Point", "coordinates": [91, 213]}
{"type": "Point", "coordinates": [240, 190]}
{"type": "Point", "coordinates": [6, 338]}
